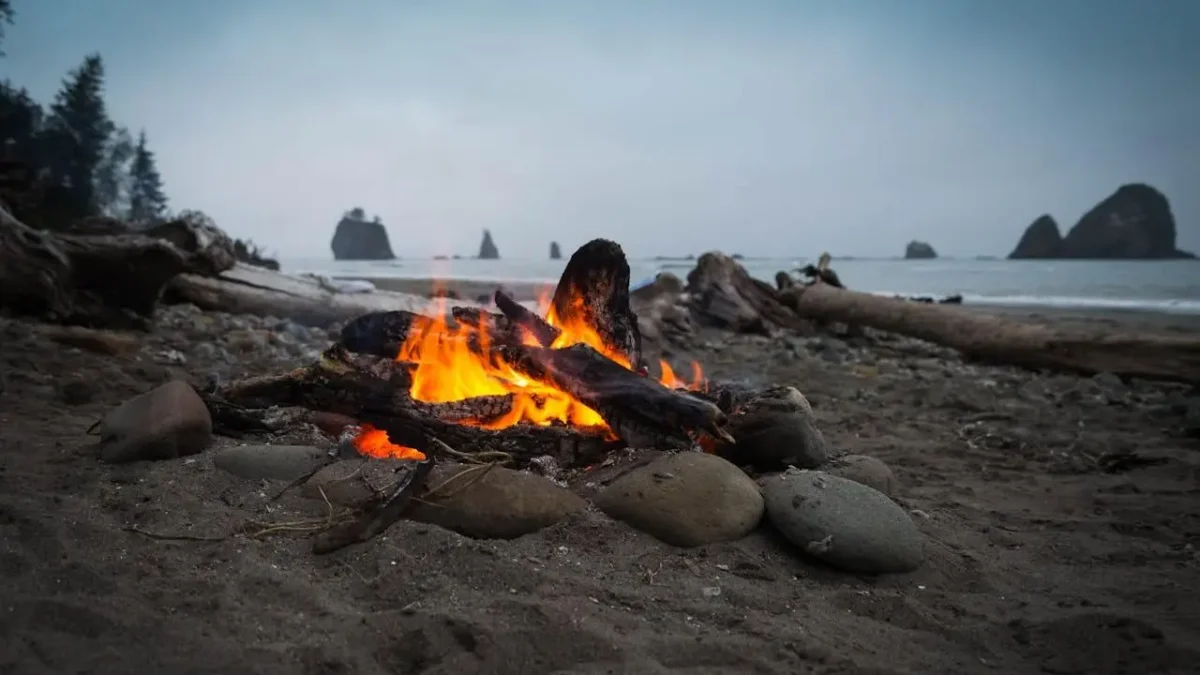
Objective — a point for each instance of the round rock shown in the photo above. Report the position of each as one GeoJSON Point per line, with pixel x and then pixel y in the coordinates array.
{"type": "Point", "coordinates": [492, 502]}
{"type": "Point", "coordinates": [270, 462]}
{"type": "Point", "coordinates": [775, 429]}
{"type": "Point", "coordinates": [869, 471]}
{"type": "Point", "coordinates": [686, 499]}
{"type": "Point", "coordinates": [843, 523]}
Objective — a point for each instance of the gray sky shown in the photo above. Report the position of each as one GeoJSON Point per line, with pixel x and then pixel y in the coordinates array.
{"type": "Point", "coordinates": [767, 128]}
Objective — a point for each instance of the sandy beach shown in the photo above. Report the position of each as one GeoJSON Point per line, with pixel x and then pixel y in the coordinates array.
{"type": "Point", "coordinates": [1046, 551]}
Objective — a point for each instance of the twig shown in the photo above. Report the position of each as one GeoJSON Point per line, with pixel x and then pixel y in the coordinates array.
{"type": "Point", "coordinates": [482, 457]}
{"type": "Point", "coordinates": [171, 537]}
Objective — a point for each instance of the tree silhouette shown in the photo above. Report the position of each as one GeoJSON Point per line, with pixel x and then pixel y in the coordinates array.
{"type": "Point", "coordinates": [147, 203]}
{"type": "Point", "coordinates": [77, 134]}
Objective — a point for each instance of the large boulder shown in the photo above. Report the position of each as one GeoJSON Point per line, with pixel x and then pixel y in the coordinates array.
{"type": "Point", "coordinates": [919, 250]}
{"type": "Point", "coordinates": [487, 248]}
{"type": "Point", "coordinates": [1135, 222]}
{"type": "Point", "coordinates": [1042, 239]}
{"type": "Point", "coordinates": [356, 238]}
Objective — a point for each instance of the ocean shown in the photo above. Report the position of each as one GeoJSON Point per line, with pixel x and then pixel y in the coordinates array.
{"type": "Point", "coordinates": [1171, 286]}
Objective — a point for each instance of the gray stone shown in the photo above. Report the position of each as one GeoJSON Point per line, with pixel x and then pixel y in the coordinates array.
{"type": "Point", "coordinates": [775, 429]}
{"type": "Point", "coordinates": [493, 502]}
{"type": "Point", "coordinates": [167, 422]}
{"type": "Point", "coordinates": [270, 462]}
{"type": "Point", "coordinates": [686, 499]}
{"type": "Point", "coordinates": [869, 471]}
{"type": "Point", "coordinates": [843, 523]}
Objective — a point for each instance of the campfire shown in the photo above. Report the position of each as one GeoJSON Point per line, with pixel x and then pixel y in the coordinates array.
{"type": "Point", "coordinates": [452, 362]}
{"type": "Point", "coordinates": [567, 383]}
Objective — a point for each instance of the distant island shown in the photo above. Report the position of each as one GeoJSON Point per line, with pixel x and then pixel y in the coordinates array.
{"type": "Point", "coordinates": [356, 238]}
{"type": "Point", "coordinates": [1133, 223]}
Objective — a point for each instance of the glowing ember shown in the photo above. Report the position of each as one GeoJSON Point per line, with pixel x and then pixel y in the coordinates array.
{"type": "Point", "coordinates": [449, 370]}
{"type": "Point", "coordinates": [372, 442]}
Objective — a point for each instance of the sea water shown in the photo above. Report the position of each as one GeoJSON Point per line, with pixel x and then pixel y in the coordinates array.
{"type": "Point", "coordinates": [1152, 285]}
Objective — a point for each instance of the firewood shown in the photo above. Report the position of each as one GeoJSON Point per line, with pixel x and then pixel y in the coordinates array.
{"type": "Point", "coordinates": [520, 316]}
{"type": "Point", "coordinates": [594, 291]}
{"type": "Point", "coordinates": [642, 412]}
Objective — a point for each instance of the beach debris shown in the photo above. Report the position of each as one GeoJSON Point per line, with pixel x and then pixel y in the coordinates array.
{"type": "Point", "coordinates": [167, 422]}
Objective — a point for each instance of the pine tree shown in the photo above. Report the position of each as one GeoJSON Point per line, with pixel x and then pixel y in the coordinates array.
{"type": "Point", "coordinates": [147, 203]}
{"type": "Point", "coordinates": [6, 17]}
{"type": "Point", "coordinates": [77, 134]}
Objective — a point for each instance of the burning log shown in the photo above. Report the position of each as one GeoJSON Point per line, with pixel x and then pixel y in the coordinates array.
{"type": "Point", "coordinates": [539, 328]}
{"type": "Point", "coordinates": [593, 293]}
{"type": "Point", "coordinates": [377, 391]}
{"type": "Point", "coordinates": [383, 333]}
{"type": "Point", "coordinates": [642, 412]}
{"type": "Point", "coordinates": [724, 295]}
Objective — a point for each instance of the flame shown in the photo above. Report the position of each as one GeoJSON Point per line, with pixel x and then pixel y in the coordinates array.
{"type": "Point", "coordinates": [448, 369]}
{"type": "Point", "coordinates": [372, 442]}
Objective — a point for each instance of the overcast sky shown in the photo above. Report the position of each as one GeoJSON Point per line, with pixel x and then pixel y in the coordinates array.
{"type": "Point", "coordinates": [767, 128]}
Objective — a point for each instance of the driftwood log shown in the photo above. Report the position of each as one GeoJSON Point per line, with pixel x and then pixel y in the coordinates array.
{"type": "Point", "coordinates": [108, 278]}
{"type": "Point", "coordinates": [312, 301]}
{"type": "Point", "coordinates": [724, 295]}
{"type": "Point", "coordinates": [1003, 340]}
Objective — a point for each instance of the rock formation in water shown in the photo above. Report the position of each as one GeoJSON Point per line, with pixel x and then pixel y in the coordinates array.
{"type": "Point", "coordinates": [1041, 240]}
{"type": "Point", "coordinates": [356, 238]}
{"type": "Point", "coordinates": [1133, 223]}
{"type": "Point", "coordinates": [555, 251]}
{"type": "Point", "coordinates": [919, 250]}
{"type": "Point", "coordinates": [487, 249]}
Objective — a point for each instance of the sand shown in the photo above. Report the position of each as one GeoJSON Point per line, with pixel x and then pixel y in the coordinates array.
{"type": "Point", "coordinates": [1045, 554]}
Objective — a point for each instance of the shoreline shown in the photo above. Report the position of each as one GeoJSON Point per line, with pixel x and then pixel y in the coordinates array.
{"type": "Point", "coordinates": [1129, 318]}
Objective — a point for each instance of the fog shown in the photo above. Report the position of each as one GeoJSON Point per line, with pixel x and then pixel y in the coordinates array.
{"type": "Point", "coordinates": [765, 128]}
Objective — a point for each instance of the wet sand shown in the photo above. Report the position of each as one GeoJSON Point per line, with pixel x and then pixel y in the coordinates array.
{"type": "Point", "coordinates": [1042, 555]}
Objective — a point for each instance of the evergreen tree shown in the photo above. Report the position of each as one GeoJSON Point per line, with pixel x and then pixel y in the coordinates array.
{"type": "Point", "coordinates": [147, 203]}
{"type": "Point", "coordinates": [6, 17]}
{"type": "Point", "coordinates": [77, 135]}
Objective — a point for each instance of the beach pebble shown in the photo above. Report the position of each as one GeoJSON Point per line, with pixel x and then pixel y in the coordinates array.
{"type": "Point", "coordinates": [775, 429]}
{"type": "Point", "coordinates": [167, 422]}
{"type": "Point", "coordinates": [869, 471]}
{"type": "Point", "coordinates": [492, 502]}
{"type": "Point", "coordinates": [270, 462]}
{"type": "Point", "coordinates": [842, 523]}
{"type": "Point", "coordinates": [686, 499]}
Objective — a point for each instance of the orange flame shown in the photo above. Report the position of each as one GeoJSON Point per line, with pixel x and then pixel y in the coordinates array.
{"type": "Point", "coordinates": [448, 369]}
{"type": "Point", "coordinates": [372, 442]}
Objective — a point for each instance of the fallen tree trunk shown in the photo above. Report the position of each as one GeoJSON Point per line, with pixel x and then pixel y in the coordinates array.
{"type": "Point", "coordinates": [724, 295]}
{"type": "Point", "coordinates": [1003, 340]}
{"type": "Point", "coordinates": [108, 280]}
{"type": "Point", "coordinates": [246, 289]}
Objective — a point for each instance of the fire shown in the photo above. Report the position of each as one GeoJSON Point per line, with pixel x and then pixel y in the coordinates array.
{"type": "Point", "coordinates": [449, 370]}
{"type": "Point", "coordinates": [372, 442]}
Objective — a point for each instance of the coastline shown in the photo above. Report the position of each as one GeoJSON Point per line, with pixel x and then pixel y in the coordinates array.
{"type": "Point", "coordinates": [1131, 319]}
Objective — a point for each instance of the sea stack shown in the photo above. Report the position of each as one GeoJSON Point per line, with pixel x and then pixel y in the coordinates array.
{"type": "Point", "coordinates": [356, 238]}
{"type": "Point", "coordinates": [487, 249]}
